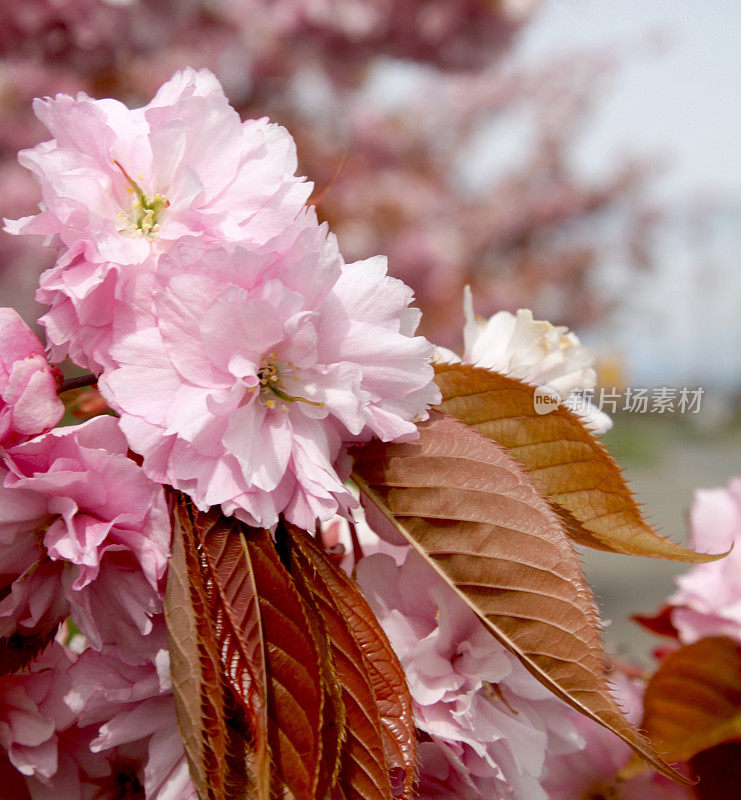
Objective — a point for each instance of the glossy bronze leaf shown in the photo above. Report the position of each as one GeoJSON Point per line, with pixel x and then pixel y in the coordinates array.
{"type": "Point", "coordinates": [361, 767]}
{"type": "Point", "coordinates": [475, 515]}
{"type": "Point", "coordinates": [375, 692]}
{"type": "Point", "coordinates": [566, 462]}
{"type": "Point", "coordinates": [693, 701]}
{"type": "Point", "coordinates": [334, 717]}
{"type": "Point", "coordinates": [215, 743]}
{"type": "Point", "coordinates": [235, 611]}
{"type": "Point", "coordinates": [295, 689]}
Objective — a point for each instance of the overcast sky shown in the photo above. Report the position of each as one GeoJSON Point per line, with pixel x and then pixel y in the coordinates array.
{"type": "Point", "coordinates": [681, 322]}
{"type": "Point", "coordinates": [682, 102]}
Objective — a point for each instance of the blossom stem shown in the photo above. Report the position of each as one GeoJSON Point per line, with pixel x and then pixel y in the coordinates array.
{"type": "Point", "coordinates": [78, 383]}
{"type": "Point", "coordinates": [357, 550]}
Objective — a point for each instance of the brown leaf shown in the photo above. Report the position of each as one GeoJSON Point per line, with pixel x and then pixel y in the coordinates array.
{"type": "Point", "coordinates": [334, 717]}
{"type": "Point", "coordinates": [235, 611]}
{"type": "Point", "coordinates": [693, 700]}
{"type": "Point", "coordinates": [474, 514]}
{"type": "Point", "coordinates": [215, 744]}
{"type": "Point", "coordinates": [295, 691]}
{"type": "Point", "coordinates": [370, 673]}
{"type": "Point", "coordinates": [361, 767]}
{"type": "Point", "coordinates": [565, 461]}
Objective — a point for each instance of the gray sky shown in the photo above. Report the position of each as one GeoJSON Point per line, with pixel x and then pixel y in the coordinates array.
{"type": "Point", "coordinates": [677, 104]}
{"type": "Point", "coordinates": [682, 103]}
{"type": "Point", "coordinates": [680, 323]}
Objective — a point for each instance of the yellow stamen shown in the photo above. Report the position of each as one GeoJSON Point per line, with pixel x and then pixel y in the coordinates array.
{"type": "Point", "coordinates": [270, 382]}
{"type": "Point", "coordinates": [144, 217]}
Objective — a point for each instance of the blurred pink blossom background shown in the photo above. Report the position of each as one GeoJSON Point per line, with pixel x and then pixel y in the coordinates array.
{"type": "Point", "coordinates": [387, 176]}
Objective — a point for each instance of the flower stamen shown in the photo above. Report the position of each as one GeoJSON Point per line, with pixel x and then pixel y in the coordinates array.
{"type": "Point", "coordinates": [270, 377]}
{"type": "Point", "coordinates": [143, 220]}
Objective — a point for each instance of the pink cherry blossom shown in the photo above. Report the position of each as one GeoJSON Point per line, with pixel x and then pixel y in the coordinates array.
{"type": "Point", "coordinates": [592, 772]}
{"type": "Point", "coordinates": [261, 363]}
{"type": "Point", "coordinates": [128, 709]}
{"type": "Point", "coordinates": [337, 539]}
{"type": "Point", "coordinates": [31, 708]}
{"type": "Point", "coordinates": [120, 186]}
{"type": "Point", "coordinates": [488, 723]}
{"type": "Point", "coordinates": [94, 727]}
{"type": "Point", "coordinates": [82, 531]}
{"type": "Point", "coordinates": [708, 600]}
{"type": "Point", "coordinates": [28, 387]}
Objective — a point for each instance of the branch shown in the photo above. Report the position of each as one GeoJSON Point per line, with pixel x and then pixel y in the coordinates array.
{"type": "Point", "coordinates": [78, 383]}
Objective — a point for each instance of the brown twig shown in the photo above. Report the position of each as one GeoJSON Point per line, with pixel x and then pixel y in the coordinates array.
{"type": "Point", "coordinates": [78, 383]}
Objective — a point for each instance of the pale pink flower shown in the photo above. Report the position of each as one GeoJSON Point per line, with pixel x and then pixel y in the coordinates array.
{"type": "Point", "coordinates": [120, 186]}
{"type": "Point", "coordinates": [592, 772]}
{"type": "Point", "coordinates": [337, 539]}
{"type": "Point", "coordinates": [82, 531]}
{"type": "Point", "coordinates": [28, 386]}
{"type": "Point", "coordinates": [128, 708]}
{"type": "Point", "coordinates": [262, 362]}
{"type": "Point", "coordinates": [532, 350]}
{"type": "Point", "coordinates": [83, 775]}
{"type": "Point", "coordinates": [490, 724]}
{"type": "Point", "coordinates": [451, 769]}
{"type": "Point", "coordinates": [94, 727]}
{"type": "Point", "coordinates": [31, 708]}
{"type": "Point", "coordinates": [708, 600]}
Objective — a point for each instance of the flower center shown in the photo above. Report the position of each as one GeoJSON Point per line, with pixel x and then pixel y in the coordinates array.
{"type": "Point", "coordinates": [128, 785]}
{"type": "Point", "coordinates": [494, 691]}
{"type": "Point", "coordinates": [123, 783]}
{"type": "Point", "coordinates": [606, 791]}
{"type": "Point", "coordinates": [272, 376]}
{"type": "Point", "coordinates": [143, 218]}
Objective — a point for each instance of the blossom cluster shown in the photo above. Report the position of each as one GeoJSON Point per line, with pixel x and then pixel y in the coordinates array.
{"type": "Point", "coordinates": [314, 66]}
{"type": "Point", "coordinates": [84, 536]}
{"type": "Point", "coordinates": [188, 264]}
{"type": "Point", "coordinates": [241, 355]}
{"type": "Point", "coordinates": [487, 724]}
